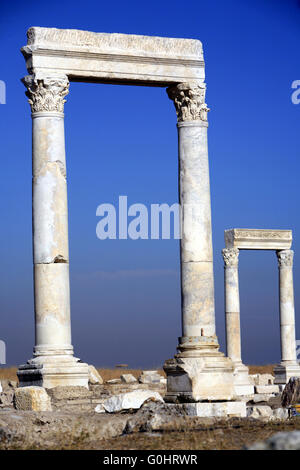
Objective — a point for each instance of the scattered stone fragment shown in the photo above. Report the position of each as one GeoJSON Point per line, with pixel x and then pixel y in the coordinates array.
{"type": "Point", "coordinates": [100, 408]}
{"type": "Point", "coordinates": [154, 416]}
{"type": "Point", "coordinates": [150, 376]}
{"type": "Point", "coordinates": [94, 376]}
{"type": "Point", "coordinates": [268, 389]}
{"type": "Point", "coordinates": [121, 366]}
{"type": "Point", "coordinates": [131, 400]}
{"type": "Point", "coordinates": [280, 441]}
{"type": "Point", "coordinates": [1, 389]}
{"type": "Point", "coordinates": [32, 398]}
{"type": "Point", "coordinates": [7, 398]}
{"type": "Point", "coordinates": [259, 412]}
{"type": "Point", "coordinates": [8, 385]}
{"type": "Point", "coordinates": [114, 381]}
{"type": "Point", "coordinates": [281, 413]}
{"type": "Point", "coordinates": [217, 409]}
{"type": "Point", "coordinates": [291, 393]}
{"type": "Point", "coordinates": [266, 412]}
{"type": "Point", "coordinates": [261, 397]}
{"type": "Point", "coordinates": [128, 378]}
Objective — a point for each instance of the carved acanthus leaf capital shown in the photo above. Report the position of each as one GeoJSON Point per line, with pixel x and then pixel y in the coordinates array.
{"type": "Point", "coordinates": [231, 257]}
{"type": "Point", "coordinates": [46, 93]}
{"type": "Point", "coordinates": [285, 258]}
{"type": "Point", "coordinates": [189, 101]}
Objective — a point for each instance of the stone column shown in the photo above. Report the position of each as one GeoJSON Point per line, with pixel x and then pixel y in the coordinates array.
{"type": "Point", "coordinates": [197, 282]}
{"type": "Point", "coordinates": [232, 317]}
{"type": "Point", "coordinates": [53, 362]}
{"type": "Point", "coordinates": [288, 366]}
{"type": "Point", "coordinates": [198, 340]}
{"type": "Point", "coordinates": [232, 304]}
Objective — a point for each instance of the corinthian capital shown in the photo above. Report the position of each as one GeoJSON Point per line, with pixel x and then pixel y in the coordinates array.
{"type": "Point", "coordinates": [231, 257]}
{"type": "Point", "coordinates": [285, 258]}
{"type": "Point", "coordinates": [189, 101]}
{"type": "Point", "coordinates": [46, 93]}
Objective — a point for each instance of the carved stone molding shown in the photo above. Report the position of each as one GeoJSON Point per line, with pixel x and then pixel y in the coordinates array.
{"type": "Point", "coordinates": [231, 257]}
{"type": "Point", "coordinates": [46, 94]}
{"type": "Point", "coordinates": [285, 258]}
{"type": "Point", "coordinates": [258, 239]}
{"type": "Point", "coordinates": [189, 101]}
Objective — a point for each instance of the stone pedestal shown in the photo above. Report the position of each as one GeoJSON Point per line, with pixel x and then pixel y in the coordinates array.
{"type": "Point", "coordinates": [53, 362]}
{"type": "Point", "coordinates": [288, 367]}
{"type": "Point", "coordinates": [199, 371]}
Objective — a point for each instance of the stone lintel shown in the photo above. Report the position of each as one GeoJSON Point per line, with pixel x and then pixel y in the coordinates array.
{"type": "Point", "coordinates": [113, 57]}
{"type": "Point", "coordinates": [258, 239]}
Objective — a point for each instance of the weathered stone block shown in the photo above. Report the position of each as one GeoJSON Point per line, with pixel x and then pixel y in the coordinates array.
{"type": "Point", "coordinates": [149, 376]}
{"type": "Point", "coordinates": [94, 376]}
{"type": "Point", "coordinates": [259, 412]}
{"type": "Point", "coordinates": [114, 381]}
{"type": "Point", "coordinates": [269, 389]}
{"type": "Point", "coordinates": [261, 397]}
{"type": "Point", "coordinates": [218, 409]}
{"type": "Point", "coordinates": [128, 378]}
{"type": "Point", "coordinates": [291, 393]}
{"type": "Point", "coordinates": [32, 399]}
{"type": "Point", "coordinates": [100, 408]}
{"type": "Point", "coordinates": [131, 400]}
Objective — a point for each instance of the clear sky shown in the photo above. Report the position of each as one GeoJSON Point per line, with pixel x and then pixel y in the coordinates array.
{"type": "Point", "coordinates": [122, 140]}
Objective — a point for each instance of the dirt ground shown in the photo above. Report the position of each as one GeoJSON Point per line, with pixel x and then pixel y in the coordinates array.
{"type": "Point", "coordinates": [223, 436]}
{"type": "Point", "coordinates": [91, 431]}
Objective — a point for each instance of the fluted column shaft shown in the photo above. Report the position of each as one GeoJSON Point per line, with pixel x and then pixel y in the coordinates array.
{"type": "Point", "coordinates": [287, 309]}
{"type": "Point", "coordinates": [232, 304]}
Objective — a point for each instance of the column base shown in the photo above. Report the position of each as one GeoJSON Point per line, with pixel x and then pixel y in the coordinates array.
{"type": "Point", "coordinates": [53, 371]}
{"type": "Point", "coordinates": [199, 373]}
{"type": "Point", "coordinates": [283, 372]}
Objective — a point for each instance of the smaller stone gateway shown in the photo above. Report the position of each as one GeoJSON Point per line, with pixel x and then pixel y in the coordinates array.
{"type": "Point", "coordinates": [257, 239]}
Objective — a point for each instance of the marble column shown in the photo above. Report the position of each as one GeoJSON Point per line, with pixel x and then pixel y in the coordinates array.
{"type": "Point", "coordinates": [197, 282]}
{"type": "Point", "coordinates": [53, 362]}
{"type": "Point", "coordinates": [198, 340]}
{"type": "Point", "coordinates": [288, 366]}
{"type": "Point", "coordinates": [232, 304]}
{"type": "Point", "coordinates": [232, 318]}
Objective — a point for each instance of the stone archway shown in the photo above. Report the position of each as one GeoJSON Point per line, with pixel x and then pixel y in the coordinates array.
{"type": "Point", "coordinates": [259, 239]}
{"type": "Point", "coordinates": [54, 58]}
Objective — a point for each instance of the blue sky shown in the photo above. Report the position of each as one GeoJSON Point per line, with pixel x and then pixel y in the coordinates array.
{"type": "Point", "coordinates": [122, 140]}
